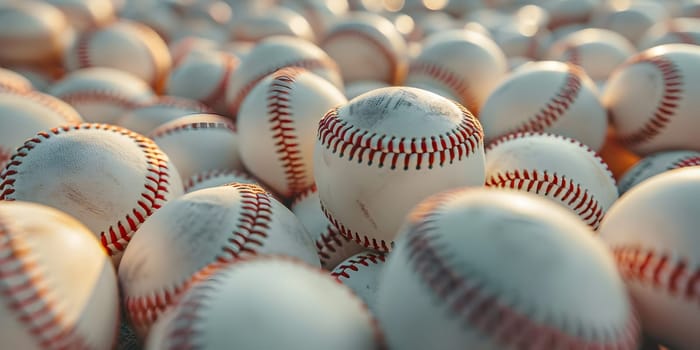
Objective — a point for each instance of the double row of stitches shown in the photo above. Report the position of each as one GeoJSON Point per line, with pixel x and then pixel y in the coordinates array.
{"type": "Point", "coordinates": [455, 83]}
{"type": "Point", "coordinates": [659, 270]}
{"type": "Point", "coordinates": [343, 138]}
{"type": "Point", "coordinates": [279, 111]}
{"type": "Point", "coordinates": [558, 105]}
{"type": "Point", "coordinates": [27, 297]}
{"type": "Point", "coordinates": [248, 236]}
{"type": "Point", "coordinates": [482, 310]}
{"type": "Point", "coordinates": [155, 187]}
{"type": "Point", "coordinates": [309, 64]}
{"type": "Point", "coordinates": [222, 124]}
{"type": "Point", "coordinates": [668, 106]}
{"type": "Point", "coordinates": [681, 163]}
{"type": "Point", "coordinates": [342, 270]}
{"type": "Point", "coordinates": [578, 199]}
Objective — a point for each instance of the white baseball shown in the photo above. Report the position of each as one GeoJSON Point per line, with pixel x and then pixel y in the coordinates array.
{"type": "Point", "coordinates": [128, 46]}
{"type": "Point", "coordinates": [203, 76]}
{"type": "Point", "coordinates": [676, 30]}
{"type": "Point", "coordinates": [653, 233]}
{"type": "Point", "coordinates": [109, 177]}
{"type": "Point", "coordinates": [216, 177]}
{"type": "Point", "coordinates": [366, 46]}
{"type": "Point", "coordinates": [13, 81]}
{"type": "Point", "coordinates": [181, 48]}
{"type": "Point", "coordinates": [362, 273]}
{"type": "Point", "coordinates": [461, 65]}
{"type": "Point", "coordinates": [278, 122]}
{"type": "Point", "coordinates": [331, 247]}
{"type": "Point", "coordinates": [396, 142]}
{"type": "Point", "coordinates": [200, 142]}
{"type": "Point", "coordinates": [321, 15]}
{"type": "Point", "coordinates": [655, 164]}
{"type": "Point", "coordinates": [272, 54]}
{"type": "Point", "coordinates": [58, 289]}
{"type": "Point", "coordinates": [500, 269]}
{"type": "Point", "coordinates": [358, 88]}
{"type": "Point", "coordinates": [597, 51]}
{"type": "Point", "coordinates": [164, 109]}
{"type": "Point", "coordinates": [555, 167]}
{"type": "Point", "coordinates": [202, 227]}
{"type": "Point", "coordinates": [32, 32]}
{"type": "Point", "coordinates": [630, 21]}
{"type": "Point", "coordinates": [565, 102]}
{"type": "Point", "coordinates": [268, 303]}
{"type": "Point", "coordinates": [102, 94]}
{"type": "Point", "coordinates": [653, 98]}
{"type": "Point", "coordinates": [271, 22]}
{"type": "Point", "coordinates": [86, 14]}
{"type": "Point", "coordinates": [22, 115]}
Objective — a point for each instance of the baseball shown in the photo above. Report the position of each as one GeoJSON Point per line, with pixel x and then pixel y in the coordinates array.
{"type": "Point", "coordinates": [202, 227]}
{"type": "Point", "coordinates": [109, 177]}
{"type": "Point", "coordinates": [656, 164]}
{"type": "Point", "coordinates": [673, 31]}
{"type": "Point", "coordinates": [390, 143]}
{"type": "Point", "coordinates": [448, 265]}
{"type": "Point", "coordinates": [162, 110]}
{"type": "Point", "coordinates": [51, 297]}
{"type": "Point", "coordinates": [652, 230]}
{"type": "Point", "coordinates": [278, 121]}
{"type": "Point", "coordinates": [362, 273]}
{"type": "Point", "coordinates": [555, 167]}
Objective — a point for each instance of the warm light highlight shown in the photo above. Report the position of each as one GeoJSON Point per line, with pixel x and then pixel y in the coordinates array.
{"type": "Point", "coordinates": [435, 4]}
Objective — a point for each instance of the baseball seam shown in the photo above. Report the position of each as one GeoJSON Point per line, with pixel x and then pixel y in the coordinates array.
{"type": "Point", "coordinates": [101, 95]}
{"type": "Point", "coordinates": [447, 78]}
{"type": "Point", "coordinates": [345, 269]}
{"type": "Point", "coordinates": [222, 124]}
{"type": "Point", "coordinates": [485, 311]}
{"type": "Point", "coordinates": [82, 49]}
{"type": "Point", "coordinates": [279, 110]}
{"type": "Point", "coordinates": [219, 91]}
{"type": "Point", "coordinates": [659, 270]}
{"type": "Point", "coordinates": [680, 163]}
{"type": "Point", "coordinates": [667, 107]}
{"type": "Point", "coordinates": [69, 114]}
{"type": "Point", "coordinates": [200, 177]}
{"type": "Point", "coordinates": [388, 55]}
{"type": "Point", "coordinates": [248, 235]}
{"type": "Point", "coordinates": [116, 237]}
{"type": "Point", "coordinates": [309, 64]}
{"type": "Point", "coordinates": [29, 299]}
{"type": "Point", "coordinates": [379, 245]}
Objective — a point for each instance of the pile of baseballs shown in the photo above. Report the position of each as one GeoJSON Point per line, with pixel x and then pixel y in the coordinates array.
{"type": "Point", "coordinates": [350, 175]}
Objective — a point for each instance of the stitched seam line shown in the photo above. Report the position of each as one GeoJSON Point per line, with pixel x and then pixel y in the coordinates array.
{"type": "Point", "coordinates": [200, 177]}
{"type": "Point", "coordinates": [344, 270]}
{"type": "Point", "coordinates": [99, 95]}
{"type": "Point", "coordinates": [69, 114]}
{"type": "Point", "coordinates": [27, 300]}
{"type": "Point", "coordinates": [362, 240]}
{"type": "Point", "coordinates": [667, 107]}
{"type": "Point", "coordinates": [341, 137]}
{"type": "Point", "coordinates": [563, 189]}
{"type": "Point", "coordinates": [388, 55]}
{"type": "Point", "coordinates": [219, 91]}
{"type": "Point", "coordinates": [681, 163]}
{"type": "Point", "coordinates": [659, 270]}
{"type": "Point", "coordinates": [156, 185]}
{"type": "Point", "coordinates": [309, 64]}
{"type": "Point", "coordinates": [485, 312]}
{"type": "Point", "coordinates": [558, 105]}
{"type": "Point", "coordinates": [178, 128]}
{"type": "Point", "coordinates": [328, 243]}
{"type": "Point", "coordinates": [82, 50]}
{"type": "Point", "coordinates": [447, 78]}
{"type": "Point", "coordinates": [279, 110]}
{"type": "Point", "coordinates": [248, 236]}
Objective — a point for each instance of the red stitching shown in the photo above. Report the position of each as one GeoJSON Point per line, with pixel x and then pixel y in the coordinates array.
{"type": "Point", "coordinates": [388, 54]}
{"type": "Point", "coordinates": [5, 154]}
{"type": "Point", "coordinates": [222, 123]}
{"type": "Point", "coordinates": [448, 78]}
{"type": "Point", "coordinates": [27, 298]}
{"type": "Point", "coordinates": [309, 64]}
{"type": "Point", "coordinates": [667, 107]}
{"type": "Point", "coordinates": [116, 237]}
{"type": "Point", "coordinates": [279, 112]}
{"type": "Point", "coordinates": [680, 163]}
{"type": "Point", "coordinates": [659, 270]}
{"type": "Point", "coordinates": [230, 64]}
{"type": "Point", "coordinates": [490, 314]}
{"type": "Point", "coordinates": [57, 105]}
{"type": "Point", "coordinates": [342, 270]}
{"type": "Point", "coordinates": [685, 37]}
{"type": "Point", "coordinates": [246, 238]}
{"type": "Point", "coordinates": [82, 49]}
{"type": "Point", "coordinates": [200, 177]}
{"type": "Point", "coordinates": [557, 105]}
{"type": "Point", "coordinates": [101, 95]}
{"type": "Point", "coordinates": [339, 136]}
{"type": "Point", "coordinates": [379, 245]}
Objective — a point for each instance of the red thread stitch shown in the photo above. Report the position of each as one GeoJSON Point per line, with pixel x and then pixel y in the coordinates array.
{"type": "Point", "coordinates": [116, 237]}
{"type": "Point", "coordinates": [221, 124]}
{"type": "Point", "coordinates": [309, 64]}
{"type": "Point", "coordinates": [667, 107]}
{"type": "Point", "coordinates": [557, 105]}
{"type": "Point", "coordinates": [343, 270]}
{"type": "Point", "coordinates": [388, 54]}
{"type": "Point", "coordinates": [27, 297]}
{"type": "Point", "coordinates": [448, 78]}
{"type": "Point", "coordinates": [340, 136]}
{"type": "Point", "coordinates": [246, 238]}
{"type": "Point", "coordinates": [82, 49]}
{"type": "Point", "coordinates": [102, 95]}
{"type": "Point", "coordinates": [218, 93]}
{"type": "Point", "coordinates": [661, 271]}
{"type": "Point", "coordinates": [379, 245]}
{"type": "Point", "coordinates": [681, 163]}
{"type": "Point", "coordinates": [55, 104]}
{"type": "Point", "coordinates": [489, 313]}
{"type": "Point", "coordinates": [279, 110]}
{"type": "Point", "coordinates": [200, 177]}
